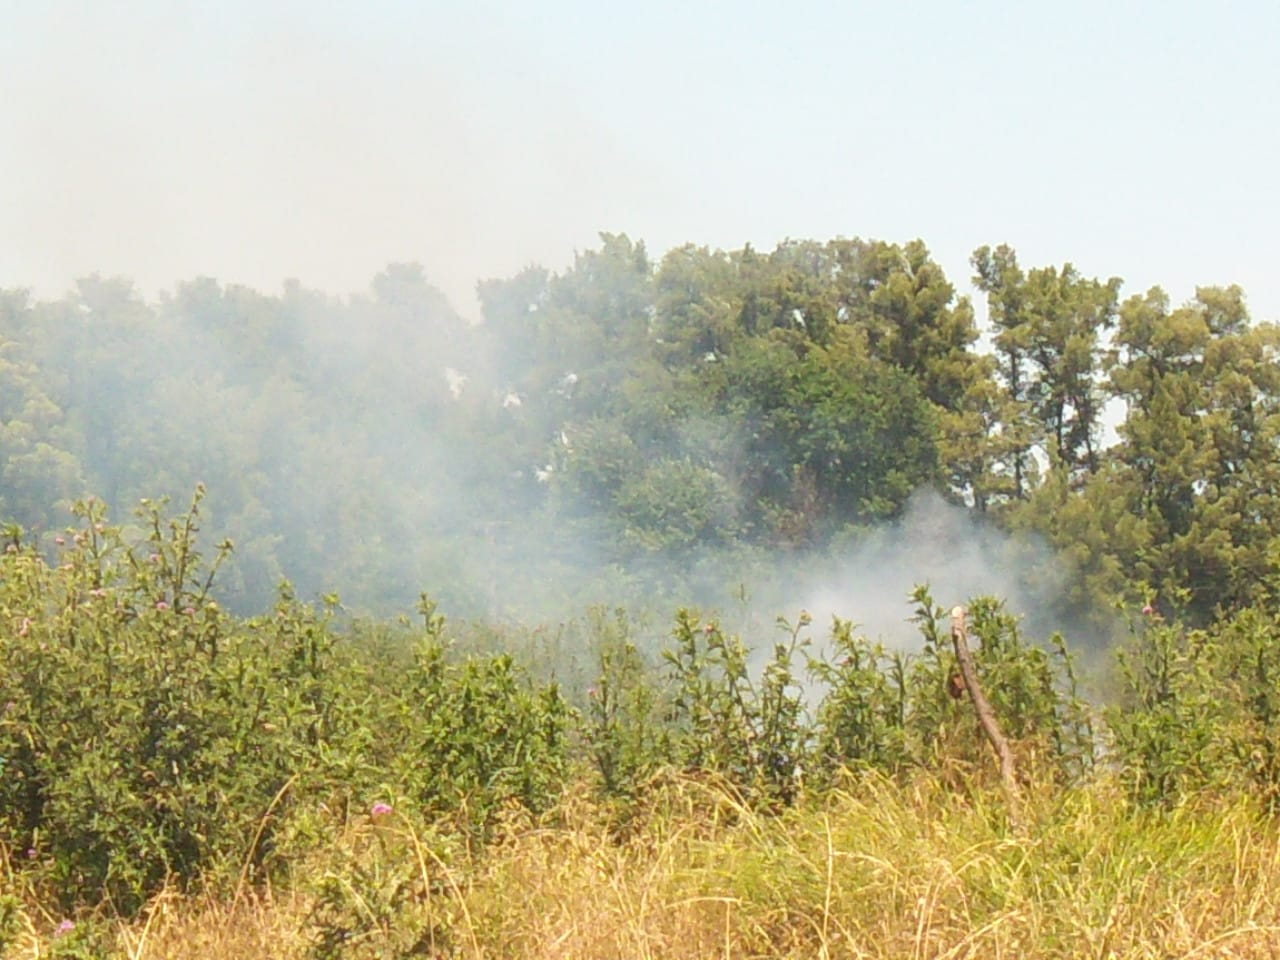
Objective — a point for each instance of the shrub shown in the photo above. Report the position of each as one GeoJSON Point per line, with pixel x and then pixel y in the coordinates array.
{"type": "Point", "coordinates": [475, 736]}
{"type": "Point", "coordinates": [146, 733]}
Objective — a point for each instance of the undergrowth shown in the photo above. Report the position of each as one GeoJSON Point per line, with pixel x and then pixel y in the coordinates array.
{"type": "Point", "coordinates": [177, 781]}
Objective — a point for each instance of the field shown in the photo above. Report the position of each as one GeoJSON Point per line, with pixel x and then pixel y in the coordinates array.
{"type": "Point", "coordinates": [179, 781]}
{"type": "Point", "coordinates": [869, 869]}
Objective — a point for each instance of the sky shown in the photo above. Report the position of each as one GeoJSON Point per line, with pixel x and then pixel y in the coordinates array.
{"type": "Point", "coordinates": [259, 141]}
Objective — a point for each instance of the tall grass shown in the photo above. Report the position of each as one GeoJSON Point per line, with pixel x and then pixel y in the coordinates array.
{"type": "Point", "coordinates": [870, 868]}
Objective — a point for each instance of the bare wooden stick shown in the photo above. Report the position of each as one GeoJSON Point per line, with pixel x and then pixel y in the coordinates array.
{"type": "Point", "coordinates": [986, 716]}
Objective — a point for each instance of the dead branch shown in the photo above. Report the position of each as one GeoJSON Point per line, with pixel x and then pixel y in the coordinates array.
{"type": "Point", "coordinates": [986, 716]}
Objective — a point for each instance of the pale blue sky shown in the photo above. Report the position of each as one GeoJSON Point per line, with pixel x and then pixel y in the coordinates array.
{"type": "Point", "coordinates": [255, 141]}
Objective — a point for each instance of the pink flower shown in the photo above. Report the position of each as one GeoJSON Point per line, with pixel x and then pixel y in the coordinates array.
{"type": "Point", "coordinates": [60, 540]}
{"type": "Point", "coordinates": [65, 927]}
{"type": "Point", "coordinates": [591, 692]}
{"type": "Point", "coordinates": [162, 605]}
{"type": "Point", "coordinates": [1148, 610]}
{"type": "Point", "coordinates": [380, 809]}
{"type": "Point", "coordinates": [189, 611]}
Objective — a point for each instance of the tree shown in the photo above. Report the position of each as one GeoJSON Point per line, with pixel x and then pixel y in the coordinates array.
{"type": "Point", "coordinates": [1198, 451]}
{"type": "Point", "coordinates": [1067, 316]}
{"type": "Point", "coordinates": [41, 474]}
{"type": "Point", "coordinates": [1002, 280]}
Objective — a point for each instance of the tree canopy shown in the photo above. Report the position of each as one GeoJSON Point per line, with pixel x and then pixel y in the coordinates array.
{"type": "Point", "coordinates": [631, 413]}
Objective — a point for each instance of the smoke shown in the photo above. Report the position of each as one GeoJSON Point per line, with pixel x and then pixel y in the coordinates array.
{"type": "Point", "coordinates": [379, 445]}
{"type": "Point", "coordinates": [944, 547]}
{"type": "Point", "coordinates": [870, 581]}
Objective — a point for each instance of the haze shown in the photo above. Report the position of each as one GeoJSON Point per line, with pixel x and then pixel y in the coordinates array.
{"type": "Point", "coordinates": [162, 140]}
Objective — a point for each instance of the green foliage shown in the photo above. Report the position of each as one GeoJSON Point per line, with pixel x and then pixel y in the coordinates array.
{"type": "Point", "coordinates": [642, 417]}
{"type": "Point", "coordinates": [1248, 669]}
{"type": "Point", "coordinates": [1167, 730]}
{"type": "Point", "coordinates": [1034, 701]}
{"type": "Point", "coordinates": [1200, 708]}
{"type": "Point", "coordinates": [475, 736]}
{"type": "Point", "coordinates": [150, 739]}
{"type": "Point", "coordinates": [86, 940]}
{"type": "Point", "coordinates": [128, 696]}
{"type": "Point", "coordinates": [712, 705]}
{"type": "Point", "coordinates": [861, 720]}
{"type": "Point", "coordinates": [624, 719]}
{"type": "Point", "coordinates": [755, 735]}
{"type": "Point", "coordinates": [630, 410]}
{"type": "Point", "coordinates": [781, 738]}
{"type": "Point", "coordinates": [675, 504]}
{"type": "Point", "coordinates": [10, 919]}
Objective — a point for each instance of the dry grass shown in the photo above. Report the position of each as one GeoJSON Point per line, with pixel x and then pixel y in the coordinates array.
{"type": "Point", "coordinates": [873, 870]}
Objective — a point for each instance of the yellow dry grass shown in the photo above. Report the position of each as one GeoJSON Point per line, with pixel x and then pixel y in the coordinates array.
{"type": "Point", "coordinates": [875, 870]}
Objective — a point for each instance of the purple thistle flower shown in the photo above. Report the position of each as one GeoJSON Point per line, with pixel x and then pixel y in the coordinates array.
{"type": "Point", "coordinates": [65, 927]}
{"type": "Point", "coordinates": [31, 853]}
{"type": "Point", "coordinates": [162, 605]}
{"type": "Point", "coordinates": [380, 809]}
{"type": "Point", "coordinates": [189, 611]}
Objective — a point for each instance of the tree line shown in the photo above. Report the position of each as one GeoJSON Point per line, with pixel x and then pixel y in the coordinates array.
{"type": "Point", "coordinates": [628, 415]}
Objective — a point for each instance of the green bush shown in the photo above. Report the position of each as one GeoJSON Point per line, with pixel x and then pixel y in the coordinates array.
{"type": "Point", "coordinates": [149, 739]}
{"type": "Point", "coordinates": [625, 729]}
{"type": "Point", "coordinates": [1199, 709]}
{"type": "Point", "coordinates": [1167, 729]}
{"type": "Point", "coordinates": [861, 720]}
{"type": "Point", "coordinates": [145, 732]}
{"type": "Point", "coordinates": [476, 735]}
